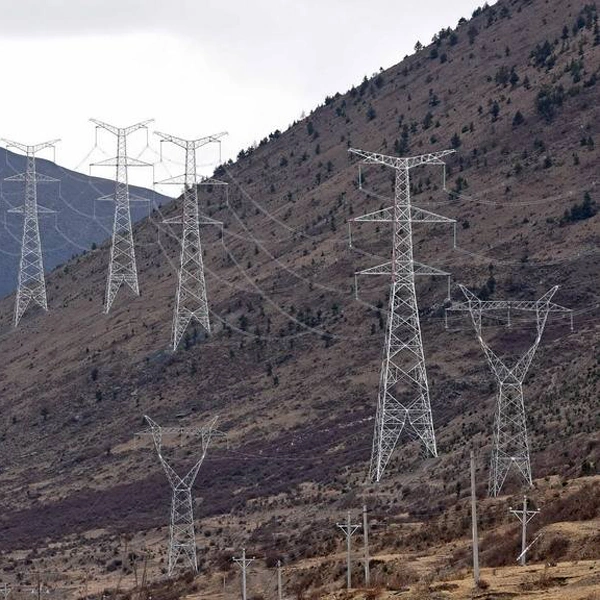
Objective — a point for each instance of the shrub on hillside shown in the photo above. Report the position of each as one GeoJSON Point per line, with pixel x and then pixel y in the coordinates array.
{"type": "Point", "coordinates": [548, 100]}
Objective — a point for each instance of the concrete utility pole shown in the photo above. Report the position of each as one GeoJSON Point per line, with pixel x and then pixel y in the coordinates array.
{"type": "Point", "coordinates": [244, 563]}
{"type": "Point", "coordinates": [279, 584]}
{"type": "Point", "coordinates": [524, 516]}
{"type": "Point", "coordinates": [5, 591]}
{"type": "Point", "coordinates": [366, 545]}
{"type": "Point", "coordinates": [474, 522]}
{"type": "Point", "coordinates": [348, 528]}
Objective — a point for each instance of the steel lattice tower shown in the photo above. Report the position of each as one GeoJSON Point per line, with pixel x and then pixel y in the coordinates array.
{"type": "Point", "coordinates": [510, 445]}
{"type": "Point", "coordinates": [122, 267]}
{"type": "Point", "coordinates": [403, 387]}
{"type": "Point", "coordinates": [191, 300]}
{"type": "Point", "coordinates": [32, 283]}
{"type": "Point", "coordinates": [182, 538]}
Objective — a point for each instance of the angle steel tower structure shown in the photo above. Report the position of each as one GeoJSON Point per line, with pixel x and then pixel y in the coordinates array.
{"type": "Point", "coordinates": [403, 388]}
{"type": "Point", "coordinates": [510, 446]}
{"type": "Point", "coordinates": [32, 283]}
{"type": "Point", "coordinates": [122, 267]}
{"type": "Point", "coordinates": [182, 538]}
{"type": "Point", "coordinates": [191, 300]}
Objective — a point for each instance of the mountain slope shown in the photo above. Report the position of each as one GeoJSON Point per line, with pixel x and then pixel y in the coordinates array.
{"type": "Point", "coordinates": [293, 365]}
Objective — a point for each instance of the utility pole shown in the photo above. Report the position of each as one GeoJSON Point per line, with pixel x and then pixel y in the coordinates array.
{"type": "Point", "coordinates": [279, 582]}
{"type": "Point", "coordinates": [32, 282]}
{"type": "Point", "coordinates": [182, 539]}
{"type": "Point", "coordinates": [244, 563]}
{"type": "Point", "coordinates": [524, 517]}
{"type": "Point", "coordinates": [366, 546]}
{"type": "Point", "coordinates": [191, 300]}
{"type": "Point", "coordinates": [403, 390]}
{"type": "Point", "coordinates": [511, 446]}
{"type": "Point", "coordinates": [474, 522]}
{"type": "Point", "coordinates": [5, 591]}
{"type": "Point", "coordinates": [348, 528]}
{"type": "Point", "coordinates": [122, 267]}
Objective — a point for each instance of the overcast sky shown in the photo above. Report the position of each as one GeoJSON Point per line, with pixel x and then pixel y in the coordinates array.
{"type": "Point", "coordinates": [195, 66]}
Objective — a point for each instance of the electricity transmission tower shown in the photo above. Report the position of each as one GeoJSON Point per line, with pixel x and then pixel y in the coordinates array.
{"type": "Point", "coordinates": [524, 517]}
{"type": "Point", "coordinates": [122, 267]}
{"type": "Point", "coordinates": [191, 300]}
{"type": "Point", "coordinates": [182, 539]}
{"type": "Point", "coordinates": [32, 283]}
{"type": "Point", "coordinates": [403, 388]}
{"type": "Point", "coordinates": [349, 529]}
{"type": "Point", "coordinates": [510, 446]}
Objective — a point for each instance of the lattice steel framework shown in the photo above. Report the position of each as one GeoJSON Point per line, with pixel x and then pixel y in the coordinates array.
{"type": "Point", "coordinates": [191, 302]}
{"type": "Point", "coordinates": [403, 388]}
{"type": "Point", "coordinates": [510, 445]}
{"type": "Point", "coordinates": [32, 283]}
{"type": "Point", "coordinates": [122, 268]}
{"type": "Point", "coordinates": [182, 538]}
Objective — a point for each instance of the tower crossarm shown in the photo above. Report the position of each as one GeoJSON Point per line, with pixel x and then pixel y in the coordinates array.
{"type": "Point", "coordinates": [417, 215]}
{"type": "Point", "coordinates": [374, 158]}
{"type": "Point", "coordinates": [191, 144]}
{"type": "Point", "coordinates": [420, 215]}
{"type": "Point", "coordinates": [121, 130]}
{"type": "Point", "coordinates": [525, 305]}
{"type": "Point", "coordinates": [124, 161]}
{"type": "Point", "coordinates": [178, 483]}
{"type": "Point", "coordinates": [419, 269]}
{"type": "Point", "coordinates": [158, 432]}
{"type": "Point", "coordinates": [39, 178]}
{"type": "Point", "coordinates": [29, 150]}
{"type": "Point", "coordinates": [199, 180]}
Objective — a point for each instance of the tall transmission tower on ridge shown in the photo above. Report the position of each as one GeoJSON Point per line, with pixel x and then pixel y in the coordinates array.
{"type": "Point", "coordinates": [182, 538]}
{"type": "Point", "coordinates": [191, 302]}
{"type": "Point", "coordinates": [510, 445]}
{"type": "Point", "coordinates": [32, 283]}
{"type": "Point", "coordinates": [403, 388]}
{"type": "Point", "coordinates": [122, 267]}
